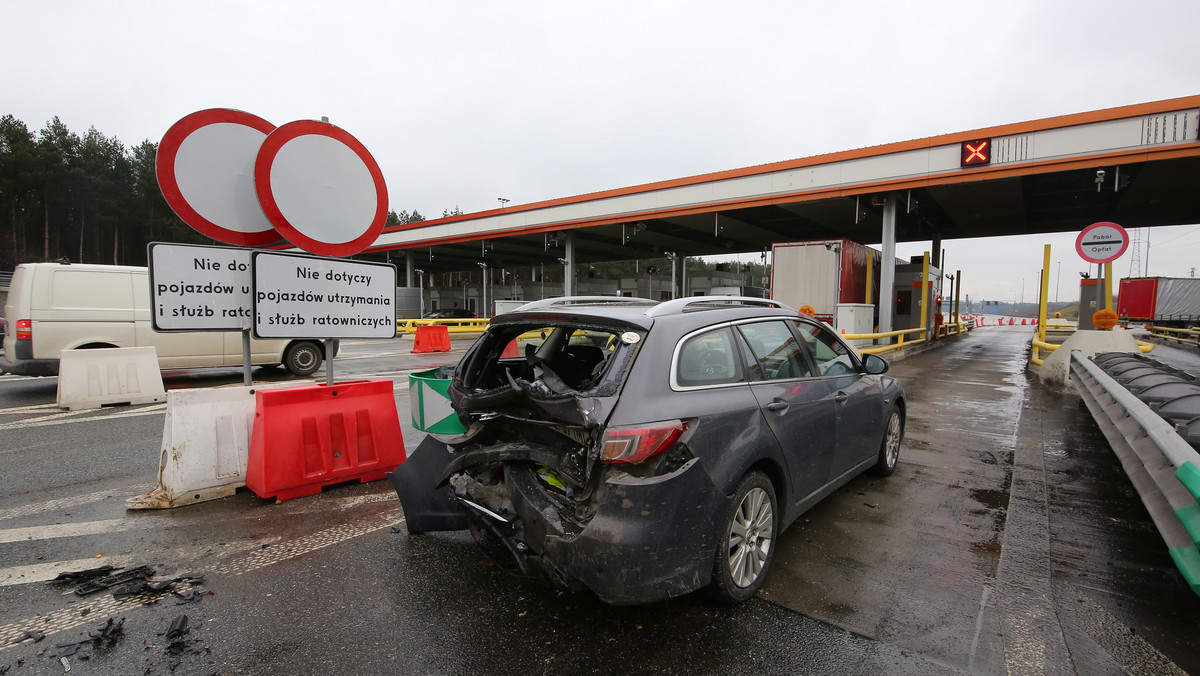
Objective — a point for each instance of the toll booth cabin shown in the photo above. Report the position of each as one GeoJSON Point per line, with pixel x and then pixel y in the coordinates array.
{"type": "Point", "coordinates": [909, 278]}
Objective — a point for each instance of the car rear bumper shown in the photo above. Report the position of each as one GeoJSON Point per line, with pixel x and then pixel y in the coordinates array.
{"type": "Point", "coordinates": [648, 538]}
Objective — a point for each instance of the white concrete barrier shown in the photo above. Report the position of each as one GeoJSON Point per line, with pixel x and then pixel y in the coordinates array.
{"type": "Point", "coordinates": [205, 445]}
{"type": "Point", "coordinates": [118, 375]}
{"type": "Point", "coordinates": [1056, 367]}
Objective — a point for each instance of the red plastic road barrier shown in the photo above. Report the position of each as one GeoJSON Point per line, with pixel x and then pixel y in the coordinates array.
{"type": "Point", "coordinates": [308, 437]}
{"type": "Point", "coordinates": [1010, 321]}
{"type": "Point", "coordinates": [431, 339]}
{"type": "Point", "coordinates": [512, 350]}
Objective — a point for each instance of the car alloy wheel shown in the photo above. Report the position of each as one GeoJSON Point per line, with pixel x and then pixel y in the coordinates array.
{"type": "Point", "coordinates": [750, 534]}
{"type": "Point", "coordinates": [748, 539]}
{"type": "Point", "coordinates": [889, 449]}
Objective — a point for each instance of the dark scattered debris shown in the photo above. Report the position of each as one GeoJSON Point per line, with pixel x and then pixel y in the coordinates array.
{"type": "Point", "coordinates": [82, 575]}
{"type": "Point", "coordinates": [122, 577]}
{"type": "Point", "coordinates": [192, 596]}
{"type": "Point", "coordinates": [140, 588]}
{"type": "Point", "coordinates": [30, 634]}
{"type": "Point", "coordinates": [101, 639]}
{"type": "Point", "coordinates": [179, 645]}
{"type": "Point", "coordinates": [136, 581]}
{"type": "Point", "coordinates": [179, 627]}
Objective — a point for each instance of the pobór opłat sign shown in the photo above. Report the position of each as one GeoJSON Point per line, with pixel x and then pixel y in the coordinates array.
{"type": "Point", "coordinates": [1102, 242]}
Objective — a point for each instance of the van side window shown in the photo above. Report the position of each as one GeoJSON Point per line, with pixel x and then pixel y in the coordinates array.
{"type": "Point", "coordinates": [708, 359]}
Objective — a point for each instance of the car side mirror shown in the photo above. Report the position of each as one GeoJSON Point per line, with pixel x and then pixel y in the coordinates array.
{"type": "Point", "coordinates": [875, 364]}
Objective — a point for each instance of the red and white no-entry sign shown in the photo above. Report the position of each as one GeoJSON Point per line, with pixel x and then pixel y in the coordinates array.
{"type": "Point", "coordinates": [320, 188]}
{"type": "Point", "coordinates": [238, 179]}
{"type": "Point", "coordinates": [205, 169]}
{"type": "Point", "coordinates": [1102, 242]}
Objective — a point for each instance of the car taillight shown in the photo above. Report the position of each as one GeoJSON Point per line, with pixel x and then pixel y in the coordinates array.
{"type": "Point", "coordinates": [24, 329]}
{"type": "Point", "coordinates": [637, 443]}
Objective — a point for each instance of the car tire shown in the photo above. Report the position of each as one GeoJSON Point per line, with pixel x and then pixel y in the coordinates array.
{"type": "Point", "coordinates": [747, 540]}
{"type": "Point", "coordinates": [302, 358]}
{"type": "Point", "coordinates": [889, 447]}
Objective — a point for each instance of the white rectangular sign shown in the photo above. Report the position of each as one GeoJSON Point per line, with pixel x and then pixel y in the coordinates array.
{"type": "Point", "coordinates": [199, 288]}
{"type": "Point", "coordinates": [301, 296]}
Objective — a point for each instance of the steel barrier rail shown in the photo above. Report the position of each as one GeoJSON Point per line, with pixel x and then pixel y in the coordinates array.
{"type": "Point", "coordinates": [1038, 345]}
{"type": "Point", "coordinates": [901, 343]}
{"type": "Point", "coordinates": [1185, 336]}
{"type": "Point", "coordinates": [1164, 469]}
{"type": "Point", "coordinates": [409, 326]}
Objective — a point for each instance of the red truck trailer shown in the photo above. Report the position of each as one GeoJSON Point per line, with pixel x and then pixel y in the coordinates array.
{"type": "Point", "coordinates": [1165, 301]}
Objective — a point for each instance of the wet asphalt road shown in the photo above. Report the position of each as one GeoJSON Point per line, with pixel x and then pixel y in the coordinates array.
{"type": "Point", "coordinates": [1008, 541]}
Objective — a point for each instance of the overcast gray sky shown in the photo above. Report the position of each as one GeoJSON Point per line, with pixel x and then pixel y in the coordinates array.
{"type": "Point", "coordinates": [462, 103]}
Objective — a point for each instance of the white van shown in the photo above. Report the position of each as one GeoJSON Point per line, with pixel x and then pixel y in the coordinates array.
{"type": "Point", "coordinates": [60, 306]}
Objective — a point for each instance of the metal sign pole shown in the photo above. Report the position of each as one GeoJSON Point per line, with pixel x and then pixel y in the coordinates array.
{"type": "Point", "coordinates": [328, 361]}
{"type": "Point", "coordinates": [246, 380]}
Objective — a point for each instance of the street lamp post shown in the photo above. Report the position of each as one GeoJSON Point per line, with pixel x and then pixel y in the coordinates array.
{"type": "Point", "coordinates": [420, 291]}
{"type": "Point", "coordinates": [672, 256]}
{"type": "Point", "coordinates": [483, 291]}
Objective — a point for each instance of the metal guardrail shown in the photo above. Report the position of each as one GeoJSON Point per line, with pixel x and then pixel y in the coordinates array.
{"type": "Point", "coordinates": [1185, 336]}
{"type": "Point", "coordinates": [477, 325]}
{"type": "Point", "coordinates": [1040, 345]}
{"type": "Point", "coordinates": [943, 331]}
{"type": "Point", "coordinates": [1164, 469]}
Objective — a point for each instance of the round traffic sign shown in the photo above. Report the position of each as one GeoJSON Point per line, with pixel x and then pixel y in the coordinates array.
{"type": "Point", "coordinates": [1102, 242]}
{"type": "Point", "coordinates": [320, 188]}
{"type": "Point", "coordinates": [205, 169]}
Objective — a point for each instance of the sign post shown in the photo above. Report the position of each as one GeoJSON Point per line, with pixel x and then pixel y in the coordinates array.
{"type": "Point", "coordinates": [1101, 243]}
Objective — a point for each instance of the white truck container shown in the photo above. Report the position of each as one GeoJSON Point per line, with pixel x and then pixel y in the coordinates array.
{"type": "Point", "coordinates": [57, 306]}
{"type": "Point", "coordinates": [823, 274]}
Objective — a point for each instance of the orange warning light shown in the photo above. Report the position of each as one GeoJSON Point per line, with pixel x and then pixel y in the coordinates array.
{"type": "Point", "coordinates": [808, 310]}
{"type": "Point", "coordinates": [1104, 319]}
{"type": "Point", "coordinates": [976, 153]}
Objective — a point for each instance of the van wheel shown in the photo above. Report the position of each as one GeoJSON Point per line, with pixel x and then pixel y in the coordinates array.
{"type": "Point", "coordinates": [302, 358]}
{"type": "Point", "coordinates": [747, 540]}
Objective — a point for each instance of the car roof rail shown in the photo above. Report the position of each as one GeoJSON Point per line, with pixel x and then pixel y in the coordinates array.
{"type": "Point", "coordinates": [680, 305]}
{"type": "Point", "coordinates": [567, 301]}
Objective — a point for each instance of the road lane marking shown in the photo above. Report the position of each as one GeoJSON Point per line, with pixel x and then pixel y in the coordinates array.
{"type": "Point", "coordinates": [66, 530]}
{"type": "Point", "coordinates": [101, 605]}
{"type": "Point", "coordinates": [77, 416]}
{"type": "Point", "coordinates": [48, 408]}
{"type": "Point", "coordinates": [73, 501]}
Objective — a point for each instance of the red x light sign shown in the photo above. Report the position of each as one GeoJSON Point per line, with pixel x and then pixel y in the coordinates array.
{"type": "Point", "coordinates": [976, 153]}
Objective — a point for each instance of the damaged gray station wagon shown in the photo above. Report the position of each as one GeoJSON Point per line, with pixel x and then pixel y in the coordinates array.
{"type": "Point", "coordinates": [645, 450]}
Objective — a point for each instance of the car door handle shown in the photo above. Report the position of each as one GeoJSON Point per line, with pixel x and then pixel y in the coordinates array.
{"type": "Point", "coordinates": [777, 406]}
{"type": "Point", "coordinates": [841, 397]}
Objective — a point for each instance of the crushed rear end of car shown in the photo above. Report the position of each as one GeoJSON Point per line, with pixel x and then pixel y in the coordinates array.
{"type": "Point", "coordinates": [540, 477]}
